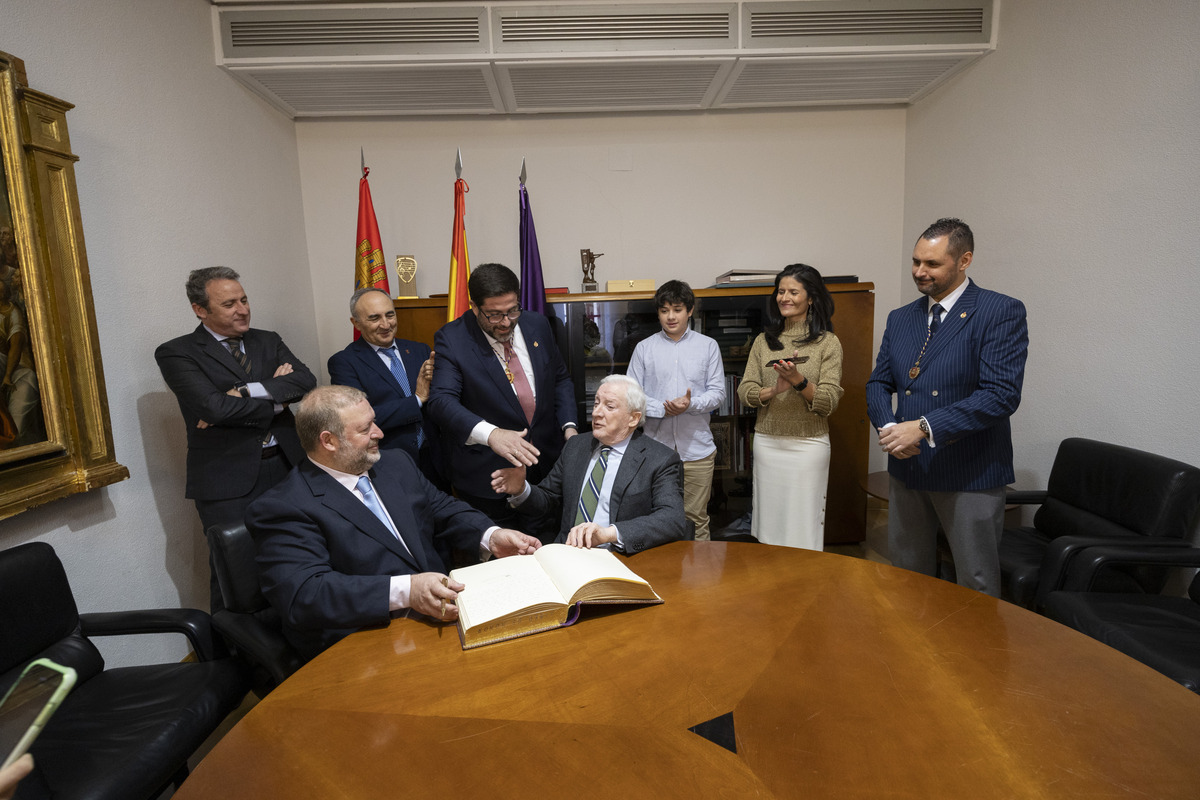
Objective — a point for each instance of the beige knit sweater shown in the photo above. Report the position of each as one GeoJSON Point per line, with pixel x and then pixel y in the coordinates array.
{"type": "Point", "coordinates": [789, 414]}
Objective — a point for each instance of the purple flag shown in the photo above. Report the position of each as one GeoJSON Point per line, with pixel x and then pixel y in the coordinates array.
{"type": "Point", "coordinates": [533, 289]}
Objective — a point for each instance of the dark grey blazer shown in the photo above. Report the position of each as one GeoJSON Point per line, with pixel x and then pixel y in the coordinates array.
{"type": "Point", "coordinates": [646, 503]}
{"type": "Point", "coordinates": [223, 458]}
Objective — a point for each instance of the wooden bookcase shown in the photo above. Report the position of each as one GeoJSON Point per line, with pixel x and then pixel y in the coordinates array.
{"type": "Point", "coordinates": [597, 332]}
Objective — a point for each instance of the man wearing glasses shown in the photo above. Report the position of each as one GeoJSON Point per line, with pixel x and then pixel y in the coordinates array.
{"type": "Point", "coordinates": [501, 394]}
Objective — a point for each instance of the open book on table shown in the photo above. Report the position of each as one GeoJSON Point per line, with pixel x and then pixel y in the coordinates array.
{"type": "Point", "coordinates": [510, 597]}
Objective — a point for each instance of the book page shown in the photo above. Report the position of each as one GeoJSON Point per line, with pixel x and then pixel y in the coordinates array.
{"type": "Point", "coordinates": [574, 567]}
{"type": "Point", "coordinates": [503, 586]}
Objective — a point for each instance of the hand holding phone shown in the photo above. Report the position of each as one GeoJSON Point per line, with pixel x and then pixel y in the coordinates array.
{"type": "Point", "coordinates": [28, 705]}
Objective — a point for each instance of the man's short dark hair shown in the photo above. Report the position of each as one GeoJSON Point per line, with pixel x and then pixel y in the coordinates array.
{"type": "Point", "coordinates": [961, 239]}
{"type": "Point", "coordinates": [673, 292]}
{"type": "Point", "coordinates": [197, 283]}
{"type": "Point", "coordinates": [491, 280]}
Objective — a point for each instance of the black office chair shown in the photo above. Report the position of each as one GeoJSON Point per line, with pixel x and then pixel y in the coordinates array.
{"type": "Point", "coordinates": [1098, 494]}
{"type": "Point", "coordinates": [248, 622]}
{"type": "Point", "coordinates": [124, 733]}
{"type": "Point", "coordinates": [1162, 632]}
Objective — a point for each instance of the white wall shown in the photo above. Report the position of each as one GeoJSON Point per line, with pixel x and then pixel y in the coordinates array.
{"type": "Point", "coordinates": [662, 196]}
{"type": "Point", "coordinates": [180, 167]}
{"type": "Point", "coordinates": [1073, 153]}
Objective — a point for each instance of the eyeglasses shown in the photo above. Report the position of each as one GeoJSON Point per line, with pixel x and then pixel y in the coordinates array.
{"type": "Point", "coordinates": [497, 316]}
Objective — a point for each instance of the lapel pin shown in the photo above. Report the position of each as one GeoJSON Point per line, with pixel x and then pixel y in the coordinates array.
{"type": "Point", "coordinates": [535, 344]}
{"type": "Point", "coordinates": [963, 315]}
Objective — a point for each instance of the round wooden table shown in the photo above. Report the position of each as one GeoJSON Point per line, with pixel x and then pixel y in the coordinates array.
{"type": "Point", "coordinates": [843, 678]}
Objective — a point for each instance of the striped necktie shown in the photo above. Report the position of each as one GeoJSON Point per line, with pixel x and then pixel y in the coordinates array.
{"type": "Point", "coordinates": [234, 343]}
{"type": "Point", "coordinates": [589, 498]}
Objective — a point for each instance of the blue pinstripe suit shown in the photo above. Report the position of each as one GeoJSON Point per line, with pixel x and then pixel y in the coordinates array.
{"type": "Point", "coordinates": [968, 387]}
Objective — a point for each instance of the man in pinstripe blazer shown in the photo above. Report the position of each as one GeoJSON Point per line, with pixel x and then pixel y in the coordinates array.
{"type": "Point", "coordinates": [955, 361]}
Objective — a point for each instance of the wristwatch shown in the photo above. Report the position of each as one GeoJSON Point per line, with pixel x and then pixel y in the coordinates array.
{"type": "Point", "coordinates": [799, 387]}
{"type": "Point", "coordinates": [243, 390]}
{"type": "Point", "coordinates": [924, 427]}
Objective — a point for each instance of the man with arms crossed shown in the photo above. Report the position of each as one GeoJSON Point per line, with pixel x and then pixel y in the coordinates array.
{"type": "Point", "coordinates": [347, 539]}
{"type": "Point", "coordinates": [683, 377]}
{"type": "Point", "coordinates": [233, 384]}
{"type": "Point", "coordinates": [955, 361]}
{"type": "Point", "coordinates": [501, 394]}
{"type": "Point", "coordinates": [395, 375]}
{"type": "Point", "coordinates": [615, 488]}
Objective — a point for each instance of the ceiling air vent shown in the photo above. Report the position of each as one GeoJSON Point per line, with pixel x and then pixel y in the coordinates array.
{"type": "Point", "coordinates": [321, 58]}
{"type": "Point", "coordinates": [809, 81]}
{"type": "Point", "coordinates": [870, 24]}
{"type": "Point", "coordinates": [352, 31]}
{"type": "Point", "coordinates": [611, 86]}
{"type": "Point", "coordinates": [381, 90]}
{"type": "Point", "coordinates": [595, 27]}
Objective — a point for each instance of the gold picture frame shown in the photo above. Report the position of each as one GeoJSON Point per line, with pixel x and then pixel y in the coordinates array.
{"type": "Point", "coordinates": [55, 429]}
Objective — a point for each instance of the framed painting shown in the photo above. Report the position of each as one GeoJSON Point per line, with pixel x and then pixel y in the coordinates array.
{"type": "Point", "coordinates": [55, 431]}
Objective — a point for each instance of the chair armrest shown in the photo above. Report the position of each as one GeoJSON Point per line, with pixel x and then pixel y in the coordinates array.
{"type": "Point", "coordinates": [262, 645]}
{"type": "Point", "coordinates": [1025, 497]}
{"type": "Point", "coordinates": [192, 623]}
{"type": "Point", "coordinates": [1062, 552]}
{"type": "Point", "coordinates": [1084, 569]}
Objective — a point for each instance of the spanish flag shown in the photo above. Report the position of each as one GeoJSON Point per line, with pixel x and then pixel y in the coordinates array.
{"type": "Point", "coordinates": [460, 263]}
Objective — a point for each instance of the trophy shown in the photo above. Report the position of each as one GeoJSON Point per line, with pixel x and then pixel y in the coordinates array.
{"type": "Point", "coordinates": [406, 272]}
{"type": "Point", "coordinates": [589, 270]}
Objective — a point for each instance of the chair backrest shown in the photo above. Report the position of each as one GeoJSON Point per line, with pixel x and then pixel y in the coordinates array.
{"type": "Point", "coordinates": [1102, 489]}
{"type": "Point", "coordinates": [38, 615]}
{"type": "Point", "coordinates": [237, 571]}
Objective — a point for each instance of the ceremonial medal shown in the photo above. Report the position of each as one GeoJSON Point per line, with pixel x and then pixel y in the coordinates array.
{"type": "Point", "coordinates": [914, 372]}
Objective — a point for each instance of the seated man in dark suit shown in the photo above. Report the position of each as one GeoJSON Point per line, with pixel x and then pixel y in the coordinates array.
{"type": "Point", "coordinates": [395, 375]}
{"type": "Point", "coordinates": [616, 488]}
{"type": "Point", "coordinates": [347, 539]}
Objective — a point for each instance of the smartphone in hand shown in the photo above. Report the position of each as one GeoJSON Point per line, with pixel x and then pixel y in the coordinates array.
{"type": "Point", "coordinates": [28, 705]}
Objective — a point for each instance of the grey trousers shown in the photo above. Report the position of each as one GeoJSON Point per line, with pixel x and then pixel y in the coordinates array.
{"type": "Point", "coordinates": [972, 522]}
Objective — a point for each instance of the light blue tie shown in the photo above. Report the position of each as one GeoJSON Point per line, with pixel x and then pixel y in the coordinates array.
{"type": "Point", "coordinates": [371, 501]}
{"type": "Point", "coordinates": [397, 368]}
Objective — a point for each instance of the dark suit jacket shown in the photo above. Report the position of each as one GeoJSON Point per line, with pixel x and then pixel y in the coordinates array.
{"type": "Point", "coordinates": [469, 385]}
{"type": "Point", "coordinates": [397, 414]}
{"type": "Point", "coordinates": [223, 459]}
{"type": "Point", "coordinates": [968, 387]}
{"type": "Point", "coordinates": [646, 503]}
{"type": "Point", "coordinates": [326, 561]}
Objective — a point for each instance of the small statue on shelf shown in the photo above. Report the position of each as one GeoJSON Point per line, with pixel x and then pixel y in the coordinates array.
{"type": "Point", "coordinates": [589, 270]}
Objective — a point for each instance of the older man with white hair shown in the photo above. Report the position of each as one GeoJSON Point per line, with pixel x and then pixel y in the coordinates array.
{"type": "Point", "coordinates": [614, 488]}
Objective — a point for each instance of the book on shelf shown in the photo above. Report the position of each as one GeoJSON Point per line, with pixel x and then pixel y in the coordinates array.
{"type": "Point", "coordinates": [507, 598]}
{"type": "Point", "coordinates": [746, 276]}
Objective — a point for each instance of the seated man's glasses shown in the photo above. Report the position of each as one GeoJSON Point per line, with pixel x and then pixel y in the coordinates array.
{"type": "Point", "coordinates": [496, 316]}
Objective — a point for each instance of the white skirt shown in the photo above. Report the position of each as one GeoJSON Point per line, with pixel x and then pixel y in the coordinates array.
{"type": "Point", "coordinates": [791, 476]}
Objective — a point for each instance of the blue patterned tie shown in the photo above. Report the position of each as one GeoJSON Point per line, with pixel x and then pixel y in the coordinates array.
{"type": "Point", "coordinates": [397, 368]}
{"type": "Point", "coordinates": [589, 498]}
{"type": "Point", "coordinates": [371, 501]}
{"type": "Point", "coordinates": [936, 319]}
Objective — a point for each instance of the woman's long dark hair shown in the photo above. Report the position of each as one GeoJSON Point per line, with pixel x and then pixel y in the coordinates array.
{"type": "Point", "coordinates": [820, 313]}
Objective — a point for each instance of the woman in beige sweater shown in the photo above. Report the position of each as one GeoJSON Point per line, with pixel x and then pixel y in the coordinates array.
{"type": "Point", "coordinates": [794, 377]}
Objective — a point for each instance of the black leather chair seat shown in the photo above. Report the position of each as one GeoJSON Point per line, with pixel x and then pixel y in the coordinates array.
{"type": "Point", "coordinates": [139, 723]}
{"type": "Point", "coordinates": [1098, 494]}
{"type": "Point", "coordinates": [124, 733]}
{"type": "Point", "coordinates": [1161, 632]}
